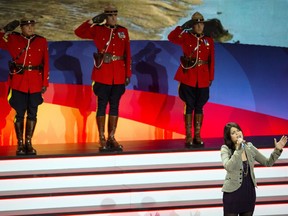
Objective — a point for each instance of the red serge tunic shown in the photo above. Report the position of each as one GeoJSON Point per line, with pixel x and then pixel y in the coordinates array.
{"type": "Point", "coordinates": [36, 54]}
{"type": "Point", "coordinates": [117, 71]}
{"type": "Point", "coordinates": [200, 74]}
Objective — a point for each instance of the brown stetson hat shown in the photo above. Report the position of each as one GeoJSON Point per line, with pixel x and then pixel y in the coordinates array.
{"type": "Point", "coordinates": [27, 21]}
{"type": "Point", "coordinates": [110, 9]}
{"type": "Point", "coordinates": [197, 18]}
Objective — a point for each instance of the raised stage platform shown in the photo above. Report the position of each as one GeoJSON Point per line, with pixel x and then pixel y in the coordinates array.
{"type": "Point", "coordinates": [140, 146]}
{"type": "Point", "coordinates": [150, 178]}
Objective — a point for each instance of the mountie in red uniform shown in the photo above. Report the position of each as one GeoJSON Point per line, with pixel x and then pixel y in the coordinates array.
{"type": "Point", "coordinates": [31, 79]}
{"type": "Point", "coordinates": [195, 73]}
{"type": "Point", "coordinates": [111, 71]}
{"type": "Point", "coordinates": [112, 40]}
{"type": "Point", "coordinates": [201, 48]}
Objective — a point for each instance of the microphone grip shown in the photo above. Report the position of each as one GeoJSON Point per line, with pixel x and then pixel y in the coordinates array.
{"type": "Point", "coordinates": [243, 143]}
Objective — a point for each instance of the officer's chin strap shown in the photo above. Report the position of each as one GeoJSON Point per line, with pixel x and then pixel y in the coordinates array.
{"type": "Point", "coordinates": [198, 35]}
{"type": "Point", "coordinates": [28, 36]}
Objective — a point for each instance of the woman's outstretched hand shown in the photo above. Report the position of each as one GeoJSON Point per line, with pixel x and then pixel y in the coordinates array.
{"type": "Point", "coordinates": [281, 143]}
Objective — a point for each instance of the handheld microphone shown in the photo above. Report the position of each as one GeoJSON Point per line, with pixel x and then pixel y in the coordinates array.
{"type": "Point", "coordinates": [242, 141]}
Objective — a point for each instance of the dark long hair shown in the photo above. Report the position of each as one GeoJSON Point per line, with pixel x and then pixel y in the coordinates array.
{"type": "Point", "coordinates": [227, 136]}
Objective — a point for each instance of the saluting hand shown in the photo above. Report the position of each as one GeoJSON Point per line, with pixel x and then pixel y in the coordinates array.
{"type": "Point", "coordinates": [100, 19]}
{"type": "Point", "coordinates": [282, 142]}
{"type": "Point", "coordinates": [187, 25]}
{"type": "Point", "coordinates": [11, 26]}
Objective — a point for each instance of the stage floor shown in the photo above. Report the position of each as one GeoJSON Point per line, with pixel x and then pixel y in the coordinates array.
{"type": "Point", "coordinates": [130, 147]}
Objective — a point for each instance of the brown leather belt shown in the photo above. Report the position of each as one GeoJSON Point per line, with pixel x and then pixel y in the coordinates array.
{"type": "Point", "coordinates": [30, 67]}
{"type": "Point", "coordinates": [116, 58]}
{"type": "Point", "coordinates": [191, 61]}
{"type": "Point", "coordinates": [201, 62]}
{"type": "Point", "coordinates": [108, 57]}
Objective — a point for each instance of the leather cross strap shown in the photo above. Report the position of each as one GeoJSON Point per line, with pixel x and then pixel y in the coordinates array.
{"type": "Point", "coordinates": [17, 57]}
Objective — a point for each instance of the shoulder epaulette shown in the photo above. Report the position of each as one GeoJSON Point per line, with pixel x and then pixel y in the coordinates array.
{"type": "Point", "coordinates": [15, 33]}
{"type": "Point", "coordinates": [119, 26]}
{"type": "Point", "coordinates": [36, 35]}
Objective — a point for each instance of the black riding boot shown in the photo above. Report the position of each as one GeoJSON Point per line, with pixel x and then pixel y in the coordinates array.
{"type": "Point", "coordinates": [188, 126]}
{"type": "Point", "coordinates": [198, 119]}
{"type": "Point", "coordinates": [101, 127]}
{"type": "Point", "coordinates": [111, 142]}
{"type": "Point", "coordinates": [19, 127]}
{"type": "Point", "coordinates": [30, 126]}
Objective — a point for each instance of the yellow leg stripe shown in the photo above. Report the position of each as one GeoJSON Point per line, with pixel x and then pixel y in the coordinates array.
{"type": "Point", "coordinates": [9, 95]}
